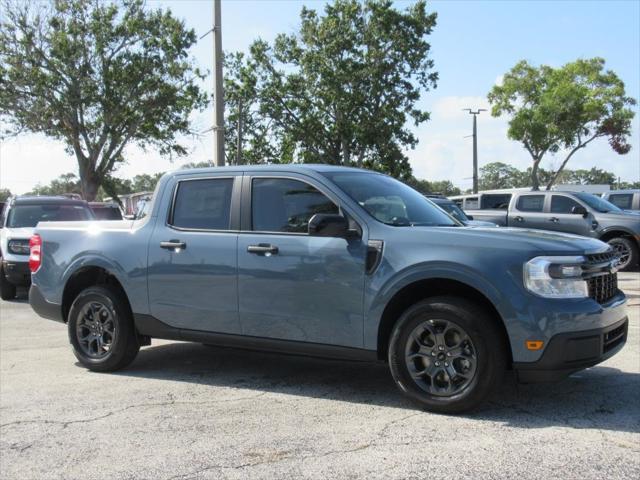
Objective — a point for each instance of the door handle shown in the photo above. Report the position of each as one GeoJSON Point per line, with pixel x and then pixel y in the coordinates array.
{"type": "Point", "coordinates": [173, 245]}
{"type": "Point", "coordinates": [518, 219]}
{"type": "Point", "coordinates": [263, 249]}
{"type": "Point", "coordinates": [554, 219]}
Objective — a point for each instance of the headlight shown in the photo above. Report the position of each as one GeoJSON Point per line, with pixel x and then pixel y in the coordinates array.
{"type": "Point", "coordinates": [19, 247]}
{"type": "Point", "coordinates": [556, 277]}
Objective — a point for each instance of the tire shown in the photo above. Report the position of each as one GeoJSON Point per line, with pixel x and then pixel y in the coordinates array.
{"type": "Point", "coordinates": [114, 330]}
{"type": "Point", "coordinates": [628, 249]}
{"type": "Point", "coordinates": [7, 289]}
{"type": "Point", "coordinates": [481, 354]}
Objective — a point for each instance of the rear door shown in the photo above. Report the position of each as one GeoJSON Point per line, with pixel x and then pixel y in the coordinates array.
{"type": "Point", "coordinates": [528, 212]}
{"type": "Point", "coordinates": [293, 286]}
{"type": "Point", "coordinates": [561, 219]}
{"type": "Point", "coordinates": [192, 255]}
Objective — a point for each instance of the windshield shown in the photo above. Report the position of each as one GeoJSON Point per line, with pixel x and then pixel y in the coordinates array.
{"type": "Point", "coordinates": [28, 216]}
{"type": "Point", "coordinates": [390, 201]}
{"type": "Point", "coordinates": [454, 210]}
{"type": "Point", "coordinates": [597, 203]}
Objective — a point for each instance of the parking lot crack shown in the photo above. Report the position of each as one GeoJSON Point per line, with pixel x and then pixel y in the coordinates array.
{"type": "Point", "coordinates": [66, 423]}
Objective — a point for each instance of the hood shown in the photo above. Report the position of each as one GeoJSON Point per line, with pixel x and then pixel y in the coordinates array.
{"type": "Point", "coordinates": [528, 242]}
{"type": "Point", "coordinates": [622, 219]}
{"type": "Point", "coordinates": [479, 223]}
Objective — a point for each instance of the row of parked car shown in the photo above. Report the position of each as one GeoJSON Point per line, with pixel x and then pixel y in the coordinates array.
{"type": "Point", "coordinates": [578, 213]}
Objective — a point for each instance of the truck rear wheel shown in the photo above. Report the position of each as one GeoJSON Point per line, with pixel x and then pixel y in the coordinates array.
{"type": "Point", "coordinates": [627, 250]}
{"type": "Point", "coordinates": [447, 354]}
{"type": "Point", "coordinates": [7, 289]}
{"type": "Point", "coordinates": [101, 329]}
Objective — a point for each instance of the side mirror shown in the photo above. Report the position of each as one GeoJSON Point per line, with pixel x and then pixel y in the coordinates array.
{"type": "Point", "coordinates": [469, 217]}
{"type": "Point", "coordinates": [328, 225]}
{"type": "Point", "coordinates": [579, 210]}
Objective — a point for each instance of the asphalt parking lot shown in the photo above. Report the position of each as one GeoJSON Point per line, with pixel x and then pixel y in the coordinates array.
{"type": "Point", "coordinates": [189, 411]}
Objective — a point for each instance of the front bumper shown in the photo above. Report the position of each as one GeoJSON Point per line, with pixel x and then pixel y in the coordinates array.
{"type": "Point", "coordinates": [567, 353]}
{"type": "Point", "coordinates": [17, 273]}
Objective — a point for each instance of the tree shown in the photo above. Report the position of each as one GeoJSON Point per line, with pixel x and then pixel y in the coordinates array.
{"type": "Point", "coordinates": [65, 183]}
{"type": "Point", "coordinates": [595, 176]}
{"type": "Point", "coordinates": [339, 91]}
{"type": "Point", "coordinates": [5, 194]}
{"type": "Point", "coordinates": [442, 187]}
{"type": "Point", "coordinates": [498, 175]}
{"type": "Point", "coordinates": [98, 75]}
{"type": "Point", "coordinates": [566, 108]}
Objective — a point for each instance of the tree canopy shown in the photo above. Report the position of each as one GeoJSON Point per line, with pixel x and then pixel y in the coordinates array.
{"type": "Point", "coordinates": [341, 90]}
{"type": "Point", "coordinates": [566, 108]}
{"type": "Point", "coordinates": [498, 175]}
{"type": "Point", "coordinates": [98, 75]}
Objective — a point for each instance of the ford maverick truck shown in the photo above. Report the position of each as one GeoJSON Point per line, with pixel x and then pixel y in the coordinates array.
{"type": "Point", "coordinates": [335, 262]}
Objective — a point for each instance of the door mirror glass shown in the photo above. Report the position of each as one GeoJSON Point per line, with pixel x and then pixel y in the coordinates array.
{"type": "Point", "coordinates": [328, 225]}
{"type": "Point", "coordinates": [579, 210]}
{"type": "Point", "coordinates": [469, 217]}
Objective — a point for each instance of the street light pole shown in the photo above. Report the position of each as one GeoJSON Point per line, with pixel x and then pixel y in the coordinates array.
{"type": "Point", "coordinates": [218, 99]}
{"type": "Point", "coordinates": [475, 113]}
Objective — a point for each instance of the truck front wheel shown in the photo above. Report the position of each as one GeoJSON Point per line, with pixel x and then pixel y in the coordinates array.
{"type": "Point", "coordinates": [447, 354]}
{"type": "Point", "coordinates": [101, 329]}
{"type": "Point", "coordinates": [627, 250]}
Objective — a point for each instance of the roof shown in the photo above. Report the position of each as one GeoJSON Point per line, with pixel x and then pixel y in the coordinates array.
{"type": "Point", "coordinates": [615, 192]}
{"type": "Point", "coordinates": [42, 199]}
{"type": "Point", "coordinates": [287, 167]}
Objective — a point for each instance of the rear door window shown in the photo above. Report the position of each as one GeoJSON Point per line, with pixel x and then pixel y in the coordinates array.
{"type": "Point", "coordinates": [492, 201]}
{"type": "Point", "coordinates": [530, 203]}
{"type": "Point", "coordinates": [621, 200]}
{"type": "Point", "coordinates": [203, 204]}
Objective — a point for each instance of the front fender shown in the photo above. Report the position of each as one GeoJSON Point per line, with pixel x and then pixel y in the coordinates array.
{"type": "Point", "coordinates": [379, 296]}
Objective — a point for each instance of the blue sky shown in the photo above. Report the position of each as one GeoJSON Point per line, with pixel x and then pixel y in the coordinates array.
{"type": "Point", "coordinates": [473, 43]}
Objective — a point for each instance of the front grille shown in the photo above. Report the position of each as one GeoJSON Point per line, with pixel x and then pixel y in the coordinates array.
{"type": "Point", "coordinates": [615, 337]}
{"type": "Point", "coordinates": [603, 287]}
{"type": "Point", "coordinates": [604, 257]}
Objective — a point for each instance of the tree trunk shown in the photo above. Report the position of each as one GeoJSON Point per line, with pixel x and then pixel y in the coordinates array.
{"type": "Point", "coordinates": [90, 184]}
{"type": "Point", "coordinates": [535, 183]}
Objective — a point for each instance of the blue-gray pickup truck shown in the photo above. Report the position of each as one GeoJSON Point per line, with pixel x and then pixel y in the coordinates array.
{"type": "Point", "coordinates": [320, 260]}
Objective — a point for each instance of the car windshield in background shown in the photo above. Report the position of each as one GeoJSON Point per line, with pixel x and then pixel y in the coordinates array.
{"type": "Point", "coordinates": [28, 216]}
{"type": "Point", "coordinates": [597, 203]}
{"type": "Point", "coordinates": [390, 201]}
{"type": "Point", "coordinates": [454, 210]}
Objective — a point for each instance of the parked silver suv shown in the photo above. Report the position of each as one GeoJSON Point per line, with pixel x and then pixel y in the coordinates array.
{"type": "Point", "coordinates": [571, 212]}
{"type": "Point", "coordinates": [624, 199]}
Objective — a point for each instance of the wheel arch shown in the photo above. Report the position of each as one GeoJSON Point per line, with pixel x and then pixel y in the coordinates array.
{"type": "Point", "coordinates": [89, 276]}
{"type": "Point", "coordinates": [615, 232]}
{"type": "Point", "coordinates": [431, 287]}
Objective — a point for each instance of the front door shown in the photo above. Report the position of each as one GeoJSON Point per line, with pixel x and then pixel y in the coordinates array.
{"type": "Point", "coordinates": [293, 286]}
{"type": "Point", "coordinates": [192, 257]}
{"type": "Point", "coordinates": [561, 219]}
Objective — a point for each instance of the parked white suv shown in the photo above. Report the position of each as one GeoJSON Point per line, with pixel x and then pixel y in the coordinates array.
{"type": "Point", "coordinates": [19, 217]}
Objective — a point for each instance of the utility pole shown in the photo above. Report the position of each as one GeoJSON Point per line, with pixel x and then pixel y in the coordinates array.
{"type": "Point", "coordinates": [218, 99]}
{"type": "Point", "coordinates": [475, 113]}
